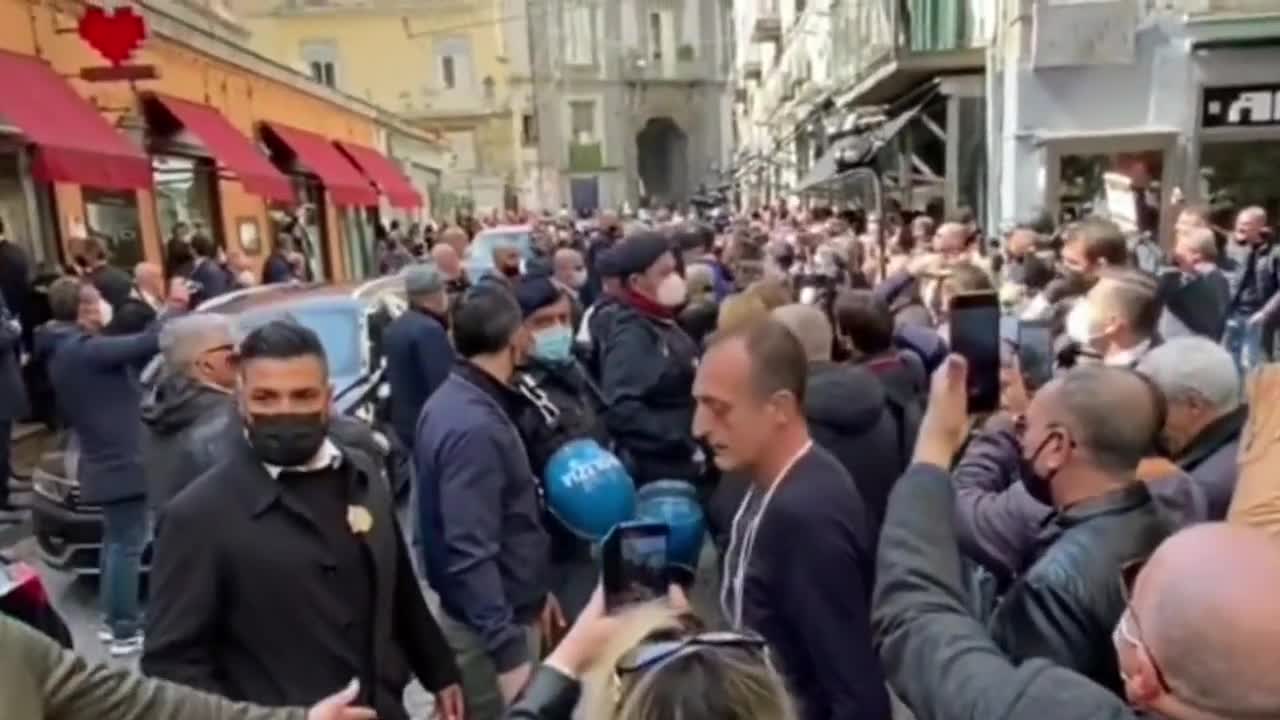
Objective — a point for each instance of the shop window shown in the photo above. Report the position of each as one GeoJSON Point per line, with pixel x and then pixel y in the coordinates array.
{"type": "Point", "coordinates": [113, 217]}
{"type": "Point", "coordinates": [185, 192]}
{"type": "Point", "coordinates": [1235, 175]}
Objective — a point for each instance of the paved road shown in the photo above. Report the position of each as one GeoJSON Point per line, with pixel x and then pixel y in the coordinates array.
{"type": "Point", "coordinates": [77, 601]}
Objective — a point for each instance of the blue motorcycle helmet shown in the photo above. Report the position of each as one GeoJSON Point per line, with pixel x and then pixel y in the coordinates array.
{"type": "Point", "coordinates": [587, 489]}
{"type": "Point", "coordinates": [675, 503]}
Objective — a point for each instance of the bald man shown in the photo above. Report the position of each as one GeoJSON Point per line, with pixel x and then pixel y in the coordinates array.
{"type": "Point", "coordinates": [942, 661]}
{"type": "Point", "coordinates": [1200, 638]}
{"type": "Point", "coordinates": [1252, 266]}
{"type": "Point", "coordinates": [145, 300]}
{"type": "Point", "coordinates": [450, 266]}
{"type": "Point", "coordinates": [951, 241]}
{"type": "Point", "coordinates": [1080, 456]}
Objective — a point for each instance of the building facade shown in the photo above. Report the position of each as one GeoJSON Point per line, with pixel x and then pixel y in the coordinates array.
{"type": "Point", "coordinates": [209, 134]}
{"type": "Point", "coordinates": [441, 65]}
{"type": "Point", "coordinates": [894, 89]}
{"type": "Point", "coordinates": [1130, 107]}
{"type": "Point", "coordinates": [619, 101]}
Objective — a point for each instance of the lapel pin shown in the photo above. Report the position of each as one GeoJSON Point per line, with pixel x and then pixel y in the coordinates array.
{"type": "Point", "coordinates": [359, 519]}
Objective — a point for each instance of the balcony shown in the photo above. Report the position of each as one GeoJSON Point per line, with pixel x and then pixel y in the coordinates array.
{"type": "Point", "coordinates": [586, 157]}
{"type": "Point", "coordinates": [1225, 7]}
{"type": "Point", "coordinates": [879, 52]}
{"type": "Point", "coordinates": [767, 26]}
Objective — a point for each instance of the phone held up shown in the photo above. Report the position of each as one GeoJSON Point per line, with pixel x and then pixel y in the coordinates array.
{"type": "Point", "coordinates": [975, 335]}
{"type": "Point", "coordinates": [635, 564]}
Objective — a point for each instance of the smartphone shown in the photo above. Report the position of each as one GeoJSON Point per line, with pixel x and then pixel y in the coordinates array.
{"type": "Point", "coordinates": [975, 334]}
{"type": "Point", "coordinates": [1035, 351]}
{"type": "Point", "coordinates": [635, 563]}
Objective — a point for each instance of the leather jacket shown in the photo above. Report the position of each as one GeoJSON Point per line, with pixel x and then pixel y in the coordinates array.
{"type": "Point", "coordinates": [1066, 606]}
{"type": "Point", "coordinates": [550, 695]}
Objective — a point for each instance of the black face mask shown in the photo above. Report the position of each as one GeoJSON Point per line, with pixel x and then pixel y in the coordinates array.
{"type": "Point", "coordinates": [511, 271]}
{"type": "Point", "coordinates": [287, 439]}
{"type": "Point", "coordinates": [1075, 281]}
{"type": "Point", "coordinates": [1037, 485]}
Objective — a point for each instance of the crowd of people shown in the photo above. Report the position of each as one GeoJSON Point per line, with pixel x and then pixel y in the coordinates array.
{"type": "Point", "coordinates": [865, 543]}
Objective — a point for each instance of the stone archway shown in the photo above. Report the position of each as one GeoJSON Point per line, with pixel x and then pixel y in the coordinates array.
{"type": "Point", "coordinates": [663, 160]}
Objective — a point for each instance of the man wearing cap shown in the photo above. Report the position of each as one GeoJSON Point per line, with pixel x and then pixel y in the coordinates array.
{"type": "Point", "coordinates": [647, 364]}
{"type": "Point", "coordinates": [419, 355]}
{"type": "Point", "coordinates": [564, 405]}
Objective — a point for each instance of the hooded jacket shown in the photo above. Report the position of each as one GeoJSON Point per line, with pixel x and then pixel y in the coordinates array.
{"type": "Point", "coordinates": [848, 416]}
{"type": "Point", "coordinates": [185, 422]}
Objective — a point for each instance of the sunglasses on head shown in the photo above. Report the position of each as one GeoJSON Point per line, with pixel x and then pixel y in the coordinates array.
{"type": "Point", "coordinates": [653, 653]}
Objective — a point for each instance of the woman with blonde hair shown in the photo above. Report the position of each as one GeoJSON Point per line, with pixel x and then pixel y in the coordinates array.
{"type": "Point", "coordinates": [652, 661]}
{"type": "Point", "coordinates": [740, 310]}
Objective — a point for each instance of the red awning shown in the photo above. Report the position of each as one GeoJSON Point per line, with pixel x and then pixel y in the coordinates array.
{"type": "Point", "coordinates": [384, 173]}
{"type": "Point", "coordinates": [73, 142]}
{"type": "Point", "coordinates": [231, 149]}
{"type": "Point", "coordinates": [345, 183]}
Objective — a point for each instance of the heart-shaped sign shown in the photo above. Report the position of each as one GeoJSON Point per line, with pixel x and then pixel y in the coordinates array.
{"type": "Point", "coordinates": [114, 35]}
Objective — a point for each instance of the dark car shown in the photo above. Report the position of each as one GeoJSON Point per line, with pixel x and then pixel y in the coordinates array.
{"type": "Point", "coordinates": [349, 321]}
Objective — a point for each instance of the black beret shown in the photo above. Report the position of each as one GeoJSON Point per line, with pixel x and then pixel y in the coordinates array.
{"type": "Point", "coordinates": [535, 293]}
{"type": "Point", "coordinates": [637, 252]}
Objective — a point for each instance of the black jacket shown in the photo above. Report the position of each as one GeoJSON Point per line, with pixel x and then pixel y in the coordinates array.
{"type": "Point", "coordinates": [275, 627]}
{"type": "Point", "coordinates": [185, 425]}
{"type": "Point", "coordinates": [276, 269]}
{"type": "Point", "coordinates": [213, 279]}
{"type": "Point", "coordinates": [849, 415]}
{"type": "Point", "coordinates": [1067, 604]}
{"type": "Point", "coordinates": [112, 283]}
{"type": "Point", "coordinates": [647, 366]}
{"type": "Point", "coordinates": [937, 657]}
{"type": "Point", "coordinates": [807, 587]}
{"type": "Point", "coordinates": [13, 395]}
{"type": "Point", "coordinates": [550, 695]}
{"type": "Point", "coordinates": [1210, 460]}
{"type": "Point", "coordinates": [419, 358]}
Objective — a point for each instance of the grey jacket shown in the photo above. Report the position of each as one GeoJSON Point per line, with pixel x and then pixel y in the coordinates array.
{"type": "Point", "coordinates": [38, 679]}
{"type": "Point", "coordinates": [184, 424]}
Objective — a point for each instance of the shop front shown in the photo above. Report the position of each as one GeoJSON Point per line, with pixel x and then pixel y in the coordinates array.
{"type": "Point", "coordinates": [191, 131]}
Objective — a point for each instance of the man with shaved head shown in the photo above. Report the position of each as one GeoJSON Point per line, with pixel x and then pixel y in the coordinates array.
{"type": "Point", "coordinates": [1252, 265]}
{"type": "Point", "coordinates": [1080, 456]}
{"type": "Point", "coordinates": [1199, 637]}
{"type": "Point", "coordinates": [1198, 640]}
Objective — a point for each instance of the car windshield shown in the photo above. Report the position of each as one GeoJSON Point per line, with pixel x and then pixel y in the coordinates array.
{"type": "Point", "coordinates": [482, 249]}
{"type": "Point", "coordinates": [338, 328]}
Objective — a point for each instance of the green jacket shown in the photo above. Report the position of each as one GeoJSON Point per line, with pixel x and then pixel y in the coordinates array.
{"type": "Point", "coordinates": [41, 681]}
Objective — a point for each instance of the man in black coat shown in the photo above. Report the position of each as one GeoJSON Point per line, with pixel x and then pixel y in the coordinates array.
{"type": "Point", "coordinates": [209, 276]}
{"type": "Point", "coordinates": [647, 365]}
{"type": "Point", "coordinates": [334, 596]}
{"type": "Point", "coordinates": [1080, 456]}
{"type": "Point", "coordinates": [277, 268]}
{"type": "Point", "coordinates": [419, 354]}
{"type": "Point", "coordinates": [848, 412]}
{"type": "Point", "coordinates": [13, 403]}
{"type": "Point", "coordinates": [113, 283]}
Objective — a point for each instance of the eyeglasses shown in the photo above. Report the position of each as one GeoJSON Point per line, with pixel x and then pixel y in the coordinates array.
{"type": "Point", "coordinates": [1128, 580]}
{"type": "Point", "coordinates": [653, 653]}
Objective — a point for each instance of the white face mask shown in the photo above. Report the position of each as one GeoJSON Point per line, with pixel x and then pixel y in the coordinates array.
{"type": "Point", "coordinates": [672, 291]}
{"type": "Point", "coordinates": [105, 309]}
{"type": "Point", "coordinates": [579, 278]}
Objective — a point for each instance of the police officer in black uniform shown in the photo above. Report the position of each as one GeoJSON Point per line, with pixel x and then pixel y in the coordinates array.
{"type": "Point", "coordinates": [564, 405]}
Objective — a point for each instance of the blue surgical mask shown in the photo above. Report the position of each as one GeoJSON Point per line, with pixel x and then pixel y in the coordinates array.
{"type": "Point", "coordinates": [553, 345]}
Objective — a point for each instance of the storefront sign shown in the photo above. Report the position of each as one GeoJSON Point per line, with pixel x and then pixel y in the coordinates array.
{"type": "Point", "coordinates": [1242, 106]}
{"type": "Point", "coordinates": [114, 32]}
